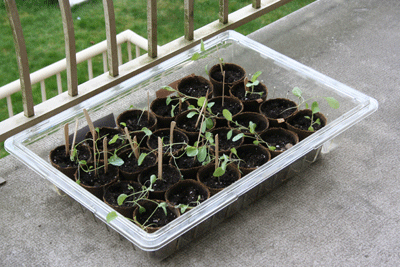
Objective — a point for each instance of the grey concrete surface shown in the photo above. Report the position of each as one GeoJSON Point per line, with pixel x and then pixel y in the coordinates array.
{"type": "Point", "coordinates": [343, 211]}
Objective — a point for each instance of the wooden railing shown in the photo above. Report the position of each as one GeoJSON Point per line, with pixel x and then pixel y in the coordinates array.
{"type": "Point", "coordinates": [116, 71]}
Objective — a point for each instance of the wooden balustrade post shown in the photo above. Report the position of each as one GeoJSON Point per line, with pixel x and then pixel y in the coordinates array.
{"type": "Point", "coordinates": [22, 57]}
{"type": "Point", "coordinates": [189, 24]}
{"type": "Point", "coordinates": [111, 34]}
{"type": "Point", "coordinates": [152, 28]}
{"type": "Point", "coordinates": [223, 11]}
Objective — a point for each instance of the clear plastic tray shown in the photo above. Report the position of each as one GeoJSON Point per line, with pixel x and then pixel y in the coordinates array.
{"type": "Point", "coordinates": [280, 74]}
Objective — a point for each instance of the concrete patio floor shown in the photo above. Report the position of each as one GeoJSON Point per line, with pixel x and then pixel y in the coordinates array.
{"type": "Point", "coordinates": [342, 211]}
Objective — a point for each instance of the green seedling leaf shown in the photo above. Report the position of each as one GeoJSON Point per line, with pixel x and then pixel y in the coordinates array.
{"type": "Point", "coordinates": [227, 114]}
{"type": "Point", "coordinates": [209, 123]}
{"type": "Point", "coordinates": [209, 137]}
{"type": "Point", "coordinates": [78, 182]}
{"type": "Point", "coordinates": [196, 56]}
{"type": "Point", "coordinates": [255, 76]}
{"type": "Point", "coordinates": [210, 105]}
{"type": "Point", "coordinates": [168, 100]}
{"type": "Point", "coordinates": [123, 124]}
{"type": "Point", "coordinates": [272, 148]}
{"type": "Point", "coordinates": [113, 140]}
{"type": "Point", "coordinates": [183, 207]}
{"type": "Point", "coordinates": [311, 129]}
{"type": "Point", "coordinates": [202, 45]}
{"type": "Point", "coordinates": [218, 172]}
{"type": "Point", "coordinates": [142, 209]}
{"type": "Point", "coordinates": [191, 114]}
{"type": "Point", "coordinates": [203, 128]}
{"type": "Point", "coordinates": [206, 69]}
{"type": "Point", "coordinates": [191, 151]}
{"type": "Point", "coordinates": [202, 154]}
{"type": "Point", "coordinates": [306, 104]}
{"type": "Point", "coordinates": [229, 134]}
{"type": "Point", "coordinates": [153, 179]}
{"type": "Point", "coordinates": [172, 110]}
{"type": "Point", "coordinates": [111, 216]}
{"type": "Point", "coordinates": [297, 92]}
{"type": "Point", "coordinates": [191, 107]}
{"type": "Point", "coordinates": [234, 151]}
{"type": "Point", "coordinates": [142, 156]}
{"type": "Point", "coordinates": [256, 142]}
{"type": "Point", "coordinates": [82, 162]}
{"type": "Point", "coordinates": [317, 121]}
{"type": "Point", "coordinates": [163, 205]}
{"type": "Point", "coordinates": [168, 88]}
{"type": "Point", "coordinates": [200, 101]}
{"type": "Point", "coordinates": [121, 198]}
{"type": "Point", "coordinates": [97, 130]}
{"type": "Point", "coordinates": [307, 117]}
{"type": "Point", "coordinates": [314, 107]}
{"type": "Point", "coordinates": [333, 103]}
{"type": "Point", "coordinates": [237, 137]}
{"type": "Point", "coordinates": [73, 155]}
{"type": "Point", "coordinates": [147, 131]}
{"type": "Point", "coordinates": [115, 160]}
{"type": "Point", "coordinates": [252, 127]}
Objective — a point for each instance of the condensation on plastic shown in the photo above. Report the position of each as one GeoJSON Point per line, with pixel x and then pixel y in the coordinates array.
{"type": "Point", "coordinates": [280, 74]}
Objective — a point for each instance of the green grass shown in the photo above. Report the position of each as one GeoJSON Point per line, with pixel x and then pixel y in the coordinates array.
{"type": "Point", "coordinates": [43, 32]}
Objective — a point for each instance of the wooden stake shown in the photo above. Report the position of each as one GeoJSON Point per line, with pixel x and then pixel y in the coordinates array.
{"type": "Point", "coordinates": [180, 104]}
{"type": "Point", "coordinates": [136, 148]}
{"type": "Point", "coordinates": [216, 151]}
{"type": "Point", "coordinates": [148, 106]}
{"type": "Point", "coordinates": [90, 123]}
{"type": "Point", "coordinates": [160, 145]}
{"type": "Point", "coordinates": [201, 126]}
{"type": "Point", "coordinates": [94, 156]}
{"type": "Point", "coordinates": [74, 138]}
{"type": "Point", "coordinates": [201, 111]}
{"type": "Point", "coordinates": [105, 153]}
{"type": "Point", "coordinates": [171, 133]}
{"type": "Point", "coordinates": [66, 137]}
{"type": "Point", "coordinates": [128, 136]}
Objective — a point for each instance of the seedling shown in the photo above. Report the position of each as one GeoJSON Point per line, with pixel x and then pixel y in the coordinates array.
{"type": "Point", "coordinates": [184, 207]}
{"type": "Point", "coordinates": [253, 83]}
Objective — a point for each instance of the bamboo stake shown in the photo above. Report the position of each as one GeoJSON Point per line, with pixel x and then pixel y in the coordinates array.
{"type": "Point", "coordinates": [105, 151]}
{"type": "Point", "coordinates": [66, 137]}
{"type": "Point", "coordinates": [201, 126]}
{"type": "Point", "coordinates": [216, 151]}
{"type": "Point", "coordinates": [180, 104]}
{"type": "Point", "coordinates": [223, 87]}
{"type": "Point", "coordinates": [74, 138]}
{"type": "Point", "coordinates": [171, 133]}
{"type": "Point", "coordinates": [159, 158]}
{"type": "Point", "coordinates": [90, 123]}
{"type": "Point", "coordinates": [128, 136]}
{"type": "Point", "coordinates": [202, 110]}
{"type": "Point", "coordinates": [94, 156]}
{"type": "Point", "coordinates": [136, 148]}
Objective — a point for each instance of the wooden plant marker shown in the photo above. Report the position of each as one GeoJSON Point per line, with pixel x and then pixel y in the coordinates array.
{"type": "Point", "coordinates": [171, 134]}
{"type": "Point", "coordinates": [93, 131]}
{"type": "Point", "coordinates": [180, 104]}
{"type": "Point", "coordinates": [131, 143]}
{"type": "Point", "coordinates": [160, 145]}
{"type": "Point", "coordinates": [201, 126]}
{"type": "Point", "coordinates": [74, 138]}
{"type": "Point", "coordinates": [66, 137]}
{"type": "Point", "coordinates": [148, 106]}
{"type": "Point", "coordinates": [202, 110]}
{"type": "Point", "coordinates": [136, 148]}
{"type": "Point", "coordinates": [223, 87]}
{"type": "Point", "coordinates": [216, 151]}
{"type": "Point", "coordinates": [245, 81]}
{"type": "Point", "coordinates": [105, 151]}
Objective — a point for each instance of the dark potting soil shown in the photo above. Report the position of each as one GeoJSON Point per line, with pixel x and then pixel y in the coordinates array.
{"type": "Point", "coordinates": [228, 178]}
{"type": "Point", "coordinates": [178, 141]}
{"type": "Point", "coordinates": [233, 107]}
{"type": "Point", "coordinates": [253, 160]}
{"type": "Point", "coordinates": [157, 219]}
{"type": "Point", "coordinates": [64, 161]}
{"type": "Point", "coordinates": [242, 94]}
{"type": "Point", "coordinates": [280, 142]}
{"type": "Point", "coordinates": [169, 175]}
{"type": "Point", "coordinates": [224, 143]}
{"type": "Point", "coordinates": [189, 124]}
{"type": "Point", "coordinates": [114, 191]}
{"type": "Point", "coordinates": [303, 123]}
{"type": "Point", "coordinates": [278, 109]}
{"type": "Point", "coordinates": [136, 124]}
{"type": "Point", "coordinates": [164, 110]}
{"type": "Point", "coordinates": [186, 162]}
{"type": "Point", "coordinates": [188, 196]}
{"type": "Point", "coordinates": [195, 89]}
{"type": "Point", "coordinates": [131, 164]}
{"type": "Point", "coordinates": [90, 179]}
{"type": "Point", "coordinates": [231, 76]}
{"type": "Point", "coordinates": [105, 132]}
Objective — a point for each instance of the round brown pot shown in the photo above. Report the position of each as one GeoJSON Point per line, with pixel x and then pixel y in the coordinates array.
{"type": "Point", "coordinates": [105, 132]}
{"type": "Point", "coordinates": [113, 191]}
{"type": "Point", "coordinates": [166, 113]}
{"type": "Point", "coordinates": [244, 119]}
{"type": "Point", "coordinates": [63, 163]}
{"type": "Point", "coordinates": [299, 124]}
{"type": "Point", "coordinates": [170, 176]}
{"type": "Point", "coordinates": [130, 169]}
{"type": "Point", "coordinates": [216, 184]}
{"type": "Point", "coordinates": [281, 139]}
{"type": "Point", "coordinates": [230, 103]}
{"type": "Point", "coordinates": [135, 120]}
{"type": "Point", "coordinates": [187, 125]}
{"type": "Point", "coordinates": [187, 192]}
{"type": "Point", "coordinates": [252, 157]}
{"type": "Point", "coordinates": [195, 86]}
{"type": "Point", "coordinates": [277, 110]}
{"type": "Point", "coordinates": [225, 144]}
{"type": "Point", "coordinates": [96, 184]}
{"type": "Point", "coordinates": [233, 74]}
{"type": "Point", "coordinates": [153, 218]}
{"type": "Point", "coordinates": [251, 101]}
